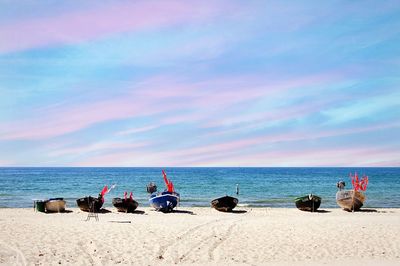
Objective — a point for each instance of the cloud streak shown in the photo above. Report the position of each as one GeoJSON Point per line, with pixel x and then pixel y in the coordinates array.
{"type": "Point", "coordinates": [180, 100]}
{"type": "Point", "coordinates": [80, 26]}
{"type": "Point", "coordinates": [149, 83]}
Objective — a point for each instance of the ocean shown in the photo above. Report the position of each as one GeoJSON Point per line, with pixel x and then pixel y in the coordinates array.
{"type": "Point", "coordinates": [258, 187]}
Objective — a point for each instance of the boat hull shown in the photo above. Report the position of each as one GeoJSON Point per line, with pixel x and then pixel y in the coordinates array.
{"type": "Point", "coordinates": [308, 203]}
{"type": "Point", "coordinates": [85, 203]}
{"type": "Point", "coordinates": [125, 205]}
{"type": "Point", "coordinates": [55, 205]}
{"type": "Point", "coordinates": [350, 200]}
{"type": "Point", "coordinates": [224, 204]}
{"type": "Point", "coordinates": [165, 201]}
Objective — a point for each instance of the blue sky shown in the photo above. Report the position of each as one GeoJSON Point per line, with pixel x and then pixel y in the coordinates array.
{"type": "Point", "coordinates": [184, 83]}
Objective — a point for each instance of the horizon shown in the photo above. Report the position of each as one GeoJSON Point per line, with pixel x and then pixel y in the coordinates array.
{"type": "Point", "coordinates": [172, 167]}
{"type": "Point", "coordinates": [217, 84]}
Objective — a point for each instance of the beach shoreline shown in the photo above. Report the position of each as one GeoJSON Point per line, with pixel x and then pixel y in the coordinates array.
{"type": "Point", "coordinates": [259, 187]}
{"type": "Point", "coordinates": [201, 236]}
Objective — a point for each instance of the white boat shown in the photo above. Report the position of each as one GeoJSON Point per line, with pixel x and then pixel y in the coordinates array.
{"type": "Point", "coordinates": [55, 205]}
{"type": "Point", "coordinates": [350, 200]}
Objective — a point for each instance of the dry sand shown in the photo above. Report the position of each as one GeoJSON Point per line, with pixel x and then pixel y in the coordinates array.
{"type": "Point", "coordinates": [202, 236]}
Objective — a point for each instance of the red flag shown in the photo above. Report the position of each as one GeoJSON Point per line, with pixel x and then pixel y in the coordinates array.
{"type": "Point", "coordinates": [168, 183]}
{"type": "Point", "coordinates": [165, 178]}
{"type": "Point", "coordinates": [171, 187]}
{"type": "Point", "coordinates": [359, 184]}
{"type": "Point", "coordinates": [364, 183]}
{"type": "Point", "coordinates": [104, 191]}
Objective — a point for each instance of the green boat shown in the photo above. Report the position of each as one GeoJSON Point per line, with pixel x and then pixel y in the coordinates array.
{"type": "Point", "coordinates": [308, 203]}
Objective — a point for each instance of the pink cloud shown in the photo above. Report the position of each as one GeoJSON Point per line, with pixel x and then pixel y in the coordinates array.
{"type": "Point", "coordinates": [129, 158]}
{"type": "Point", "coordinates": [90, 24]}
{"type": "Point", "coordinates": [110, 159]}
{"type": "Point", "coordinates": [136, 130]}
{"type": "Point", "coordinates": [177, 101]}
{"type": "Point", "coordinates": [227, 90]}
{"type": "Point", "coordinates": [6, 163]}
{"type": "Point", "coordinates": [253, 90]}
{"type": "Point", "coordinates": [215, 154]}
{"type": "Point", "coordinates": [103, 146]}
{"type": "Point", "coordinates": [65, 119]}
{"type": "Point", "coordinates": [343, 156]}
{"type": "Point", "coordinates": [60, 119]}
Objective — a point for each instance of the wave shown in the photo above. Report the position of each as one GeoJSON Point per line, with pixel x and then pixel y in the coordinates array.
{"type": "Point", "coordinates": [6, 195]}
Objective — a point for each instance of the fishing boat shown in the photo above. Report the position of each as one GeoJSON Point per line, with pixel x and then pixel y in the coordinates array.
{"type": "Point", "coordinates": [308, 203]}
{"type": "Point", "coordinates": [352, 200]}
{"type": "Point", "coordinates": [164, 201]}
{"type": "Point", "coordinates": [55, 205]}
{"type": "Point", "coordinates": [88, 203]}
{"type": "Point", "coordinates": [125, 204]}
{"type": "Point", "coordinates": [93, 204]}
{"type": "Point", "coordinates": [224, 204]}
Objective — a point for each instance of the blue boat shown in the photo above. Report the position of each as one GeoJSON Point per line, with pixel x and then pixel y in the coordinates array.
{"type": "Point", "coordinates": [164, 201]}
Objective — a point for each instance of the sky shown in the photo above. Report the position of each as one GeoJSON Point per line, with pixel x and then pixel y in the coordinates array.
{"type": "Point", "coordinates": [200, 83]}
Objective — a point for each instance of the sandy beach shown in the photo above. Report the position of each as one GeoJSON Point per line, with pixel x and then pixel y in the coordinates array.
{"type": "Point", "coordinates": [202, 236]}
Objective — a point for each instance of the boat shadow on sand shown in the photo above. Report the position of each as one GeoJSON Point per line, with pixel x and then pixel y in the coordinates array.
{"type": "Point", "coordinates": [104, 211]}
{"type": "Point", "coordinates": [238, 211]}
{"type": "Point", "coordinates": [366, 210]}
{"type": "Point", "coordinates": [322, 211]}
{"type": "Point", "coordinates": [134, 212]}
{"type": "Point", "coordinates": [64, 211]}
{"type": "Point", "coordinates": [182, 211]}
{"type": "Point", "coordinates": [139, 212]}
{"type": "Point", "coordinates": [233, 211]}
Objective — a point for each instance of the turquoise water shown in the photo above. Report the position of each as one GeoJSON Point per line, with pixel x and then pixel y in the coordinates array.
{"type": "Point", "coordinates": [259, 187]}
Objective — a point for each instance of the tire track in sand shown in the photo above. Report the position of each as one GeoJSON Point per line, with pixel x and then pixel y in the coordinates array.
{"type": "Point", "coordinates": [20, 258]}
{"type": "Point", "coordinates": [187, 234]}
{"type": "Point", "coordinates": [216, 236]}
{"type": "Point", "coordinates": [221, 239]}
{"type": "Point", "coordinates": [225, 236]}
{"type": "Point", "coordinates": [86, 253]}
{"type": "Point", "coordinates": [200, 241]}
